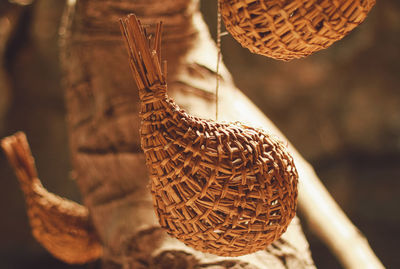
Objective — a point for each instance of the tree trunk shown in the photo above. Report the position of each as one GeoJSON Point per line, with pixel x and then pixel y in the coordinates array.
{"type": "Point", "coordinates": [102, 104]}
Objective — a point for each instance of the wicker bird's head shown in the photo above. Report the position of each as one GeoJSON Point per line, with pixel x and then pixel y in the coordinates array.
{"type": "Point", "coordinates": [291, 29]}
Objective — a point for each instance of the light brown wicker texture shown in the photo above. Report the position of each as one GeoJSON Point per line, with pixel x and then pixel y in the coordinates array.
{"type": "Point", "coordinates": [61, 226]}
{"type": "Point", "coordinates": [226, 189]}
{"type": "Point", "coordinates": [288, 29]}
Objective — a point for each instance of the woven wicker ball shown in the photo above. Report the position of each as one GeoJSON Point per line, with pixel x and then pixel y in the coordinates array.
{"type": "Point", "coordinates": [288, 29]}
{"type": "Point", "coordinates": [226, 189]}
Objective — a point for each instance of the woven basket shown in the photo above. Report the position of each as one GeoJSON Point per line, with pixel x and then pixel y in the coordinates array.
{"type": "Point", "coordinates": [225, 189]}
{"type": "Point", "coordinates": [288, 29]}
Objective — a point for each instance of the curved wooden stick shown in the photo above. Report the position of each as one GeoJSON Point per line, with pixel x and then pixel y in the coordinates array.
{"type": "Point", "coordinates": [330, 223]}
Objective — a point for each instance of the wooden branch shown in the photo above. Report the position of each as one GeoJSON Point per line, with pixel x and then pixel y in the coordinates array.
{"type": "Point", "coordinates": [62, 226]}
{"type": "Point", "coordinates": [330, 223]}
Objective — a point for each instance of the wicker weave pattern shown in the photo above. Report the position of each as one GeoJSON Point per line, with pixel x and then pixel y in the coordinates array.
{"type": "Point", "coordinates": [288, 29]}
{"type": "Point", "coordinates": [226, 189]}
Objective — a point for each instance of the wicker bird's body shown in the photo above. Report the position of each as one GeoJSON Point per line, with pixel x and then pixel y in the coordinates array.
{"type": "Point", "coordinates": [225, 189]}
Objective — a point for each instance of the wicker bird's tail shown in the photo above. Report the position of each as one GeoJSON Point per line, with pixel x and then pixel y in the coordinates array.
{"type": "Point", "coordinates": [62, 226]}
{"type": "Point", "coordinates": [144, 53]}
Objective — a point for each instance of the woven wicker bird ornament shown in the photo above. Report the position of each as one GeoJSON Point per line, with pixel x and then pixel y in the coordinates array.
{"type": "Point", "coordinates": [289, 29]}
{"type": "Point", "coordinates": [225, 189]}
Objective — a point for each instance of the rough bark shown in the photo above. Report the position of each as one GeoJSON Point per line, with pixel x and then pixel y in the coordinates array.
{"type": "Point", "coordinates": [102, 103]}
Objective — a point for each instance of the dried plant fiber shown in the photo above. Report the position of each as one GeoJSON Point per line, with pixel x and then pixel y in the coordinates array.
{"type": "Point", "coordinates": [289, 29]}
{"type": "Point", "coordinates": [61, 226]}
{"type": "Point", "coordinates": [226, 189]}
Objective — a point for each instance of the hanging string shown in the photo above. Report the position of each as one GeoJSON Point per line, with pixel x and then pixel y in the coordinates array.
{"type": "Point", "coordinates": [218, 57]}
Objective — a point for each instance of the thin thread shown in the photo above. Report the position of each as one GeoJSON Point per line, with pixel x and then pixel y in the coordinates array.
{"type": "Point", "coordinates": [218, 57]}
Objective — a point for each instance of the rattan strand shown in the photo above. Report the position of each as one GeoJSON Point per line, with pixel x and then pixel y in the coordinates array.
{"type": "Point", "coordinates": [288, 29]}
{"type": "Point", "coordinates": [226, 189]}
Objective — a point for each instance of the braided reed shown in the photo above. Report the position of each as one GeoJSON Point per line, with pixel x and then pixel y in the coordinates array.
{"type": "Point", "coordinates": [226, 189]}
{"type": "Point", "coordinates": [289, 29]}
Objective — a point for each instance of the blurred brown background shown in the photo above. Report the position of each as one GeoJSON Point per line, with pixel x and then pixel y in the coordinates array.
{"type": "Point", "coordinates": [339, 107]}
